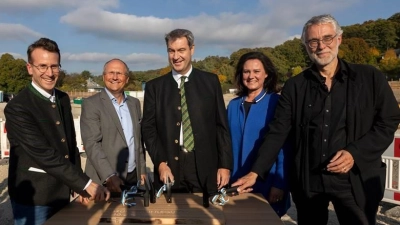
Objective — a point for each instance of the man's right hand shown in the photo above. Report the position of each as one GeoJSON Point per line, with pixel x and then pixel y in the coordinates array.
{"type": "Point", "coordinates": [245, 183]}
{"type": "Point", "coordinates": [97, 192]}
{"type": "Point", "coordinates": [165, 173]}
{"type": "Point", "coordinates": [114, 183]}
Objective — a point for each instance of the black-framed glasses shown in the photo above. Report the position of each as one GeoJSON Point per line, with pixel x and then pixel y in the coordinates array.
{"type": "Point", "coordinates": [43, 68]}
{"type": "Point", "coordinates": [327, 40]}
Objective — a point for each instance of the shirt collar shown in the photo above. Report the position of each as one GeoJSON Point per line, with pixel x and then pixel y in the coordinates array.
{"type": "Point", "coordinates": [260, 96]}
{"type": "Point", "coordinates": [112, 96]}
{"type": "Point", "coordinates": [177, 76]}
{"type": "Point", "coordinates": [340, 75]}
{"type": "Point", "coordinates": [43, 92]}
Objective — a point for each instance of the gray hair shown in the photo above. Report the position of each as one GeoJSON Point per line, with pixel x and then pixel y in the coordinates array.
{"type": "Point", "coordinates": [321, 19]}
{"type": "Point", "coordinates": [178, 33]}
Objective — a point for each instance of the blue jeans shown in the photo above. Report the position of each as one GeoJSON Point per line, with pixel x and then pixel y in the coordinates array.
{"type": "Point", "coordinates": [31, 214]}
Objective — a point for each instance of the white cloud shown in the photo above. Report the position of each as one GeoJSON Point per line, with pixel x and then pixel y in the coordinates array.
{"type": "Point", "coordinates": [17, 32]}
{"type": "Point", "coordinates": [141, 60]}
{"type": "Point", "coordinates": [23, 6]}
{"type": "Point", "coordinates": [224, 30]}
{"type": "Point", "coordinates": [117, 26]}
{"type": "Point", "coordinates": [15, 55]}
{"type": "Point", "coordinates": [267, 26]}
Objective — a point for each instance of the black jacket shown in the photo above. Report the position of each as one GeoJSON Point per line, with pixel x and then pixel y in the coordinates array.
{"type": "Point", "coordinates": [161, 125]}
{"type": "Point", "coordinates": [372, 114]}
{"type": "Point", "coordinates": [42, 136]}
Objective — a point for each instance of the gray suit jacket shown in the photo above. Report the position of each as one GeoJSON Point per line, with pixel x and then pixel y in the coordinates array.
{"type": "Point", "coordinates": [104, 140]}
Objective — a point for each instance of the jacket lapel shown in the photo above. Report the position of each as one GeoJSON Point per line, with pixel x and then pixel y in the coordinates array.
{"type": "Point", "coordinates": [353, 92]}
{"type": "Point", "coordinates": [108, 105]}
{"type": "Point", "coordinates": [132, 112]}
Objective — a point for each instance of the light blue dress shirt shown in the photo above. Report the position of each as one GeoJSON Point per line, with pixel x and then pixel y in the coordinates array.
{"type": "Point", "coordinates": [127, 126]}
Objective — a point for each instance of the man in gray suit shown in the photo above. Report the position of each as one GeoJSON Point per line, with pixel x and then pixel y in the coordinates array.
{"type": "Point", "coordinates": [110, 128]}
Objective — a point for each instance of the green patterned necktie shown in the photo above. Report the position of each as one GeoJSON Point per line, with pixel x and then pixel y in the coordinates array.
{"type": "Point", "coordinates": [188, 140]}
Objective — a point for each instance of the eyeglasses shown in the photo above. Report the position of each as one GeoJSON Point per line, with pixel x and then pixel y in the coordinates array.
{"type": "Point", "coordinates": [43, 68]}
{"type": "Point", "coordinates": [112, 73]}
{"type": "Point", "coordinates": [313, 43]}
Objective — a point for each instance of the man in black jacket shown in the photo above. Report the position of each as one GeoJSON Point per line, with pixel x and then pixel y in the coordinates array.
{"type": "Point", "coordinates": [340, 118]}
{"type": "Point", "coordinates": [205, 166]}
{"type": "Point", "coordinates": [44, 161]}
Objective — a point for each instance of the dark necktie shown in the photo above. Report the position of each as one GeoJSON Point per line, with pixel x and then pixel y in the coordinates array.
{"type": "Point", "coordinates": [188, 140]}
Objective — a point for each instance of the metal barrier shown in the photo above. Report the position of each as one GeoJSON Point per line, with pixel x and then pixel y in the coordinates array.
{"type": "Point", "coordinates": [392, 188]}
{"type": "Point", "coordinates": [391, 157]}
{"type": "Point", "coordinates": [5, 145]}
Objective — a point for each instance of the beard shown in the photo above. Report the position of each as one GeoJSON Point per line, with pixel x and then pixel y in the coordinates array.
{"type": "Point", "coordinates": [326, 60]}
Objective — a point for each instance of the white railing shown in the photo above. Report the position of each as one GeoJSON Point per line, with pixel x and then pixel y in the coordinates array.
{"type": "Point", "coordinates": [392, 187]}
{"type": "Point", "coordinates": [5, 145]}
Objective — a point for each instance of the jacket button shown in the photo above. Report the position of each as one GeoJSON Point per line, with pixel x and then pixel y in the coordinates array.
{"type": "Point", "coordinates": [66, 156]}
{"type": "Point", "coordinates": [57, 122]}
{"type": "Point", "coordinates": [176, 158]}
{"type": "Point", "coordinates": [62, 139]}
{"type": "Point", "coordinates": [176, 141]}
{"type": "Point", "coordinates": [178, 124]}
{"type": "Point", "coordinates": [179, 108]}
{"type": "Point", "coordinates": [53, 106]}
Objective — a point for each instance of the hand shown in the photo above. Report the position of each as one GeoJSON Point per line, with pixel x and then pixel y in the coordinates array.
{"type": "Point", "coordinates": [223, 176]}
{"type": "Point", "coordinates": [342, 162]}
{"type": "Point", "coordinates": [245, 183]}
{"type": "Point", "coordinates": [165, 173]}
{"type": "Point", "coordinates": [275, 195]}
{"type": "Point", "coordinates": [97, 192]}
{"type": "Point", "coordinates": [84, 201]}
{"type": "Point", "coordinates": [142, 179]}
{"type": "Point", "coordinates": [114, 183]}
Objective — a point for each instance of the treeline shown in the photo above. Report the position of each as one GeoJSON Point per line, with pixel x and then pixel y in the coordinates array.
{"type": "Point", "coordinates": [375, 42]}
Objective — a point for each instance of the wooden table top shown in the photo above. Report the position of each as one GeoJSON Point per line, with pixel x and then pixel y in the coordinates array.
{"type": "Point", "coordinates": [251, 209]}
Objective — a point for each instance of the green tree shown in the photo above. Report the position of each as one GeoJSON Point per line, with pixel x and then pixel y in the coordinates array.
{"type": "Point", "coordinates": [390, 64]}
{"type": "Point", "coordinates": [355, 50]}
{"type": "Point", "coordinates": [280, 62]}
{"type": "Point", "coordinates": [86, 74]}
{"type": "Point", "coordinates": [355, 31]}
{"type": "Point", "coordinates": [74, 82]}
{"type": "Point", "coordinates": [235, 56]}
{"type": "Point", "coordinates": [382, 34]}
{"type": "Point", "coordinates": [294, 53]}
{"type": "Point", "coordinates": [395, 18]}
{"type": "Point", "coordinates": [60, 80]}
{"type": "Point", "coordinates": [229, 71]}
{"type": "Point", "coordinates": [131, 85]}
{"type": "Point", "coordinates": [13, 74]}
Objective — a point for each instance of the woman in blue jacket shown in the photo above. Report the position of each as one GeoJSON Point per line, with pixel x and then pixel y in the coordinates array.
{"type": "Point", "coordinates": [249, 115]}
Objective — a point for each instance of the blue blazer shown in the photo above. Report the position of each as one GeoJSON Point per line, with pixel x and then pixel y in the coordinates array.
{"type": "Point", "coordinates": [246, 139]}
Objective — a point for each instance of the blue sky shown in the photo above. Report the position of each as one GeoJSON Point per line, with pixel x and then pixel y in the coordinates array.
{"type": "Point", "coordinates": [90, 32]}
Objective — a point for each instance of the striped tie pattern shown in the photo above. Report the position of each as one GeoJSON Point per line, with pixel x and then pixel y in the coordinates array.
{"type": "Point", "coordinates": [188, 140]}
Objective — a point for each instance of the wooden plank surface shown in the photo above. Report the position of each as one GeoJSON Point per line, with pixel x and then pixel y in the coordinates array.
{"type": "Point", "coordinates": [250, 209]}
